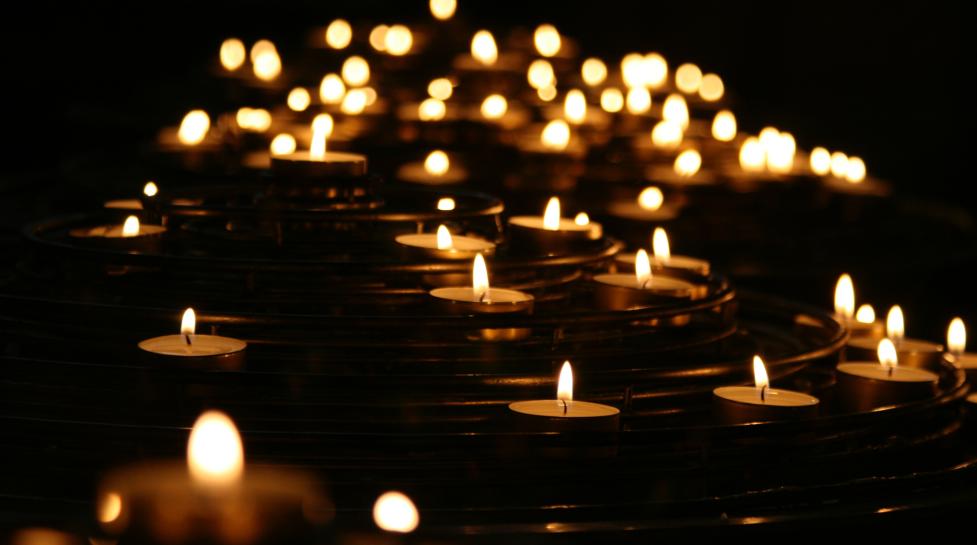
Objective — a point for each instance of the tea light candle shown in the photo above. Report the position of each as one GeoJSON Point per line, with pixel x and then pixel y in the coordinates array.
{"type": "Point", "coordinates": [649, 206]}
{"type": "Point", "coordinates": [437, 169]}
{"type": "Point", "coordinates": [149, 192]}
{"type": "Point", "coordinates": [444, 245]}
{"type": "Point", "coordinates": [480, 298]}
{"type": "Point", "coordinates": [194, 350]}
{"type": "Point", "coordinates": [860, 324]}
{"type": "Point", "coordinates": [552, 233]}
{"type": "Point", "coordinates": [956, 342]}
{"type": "Point", "coordinates": [564, 414]}
{"type": "Point", "coordinates": [663, 260]}
{"type": "Point", "coordinates": [864, 386]}
{"type": "Point", "coordinates": [760, 403]}
{"type": "Point", "coordinates": [619, 291]}
{"type": "Point", "coordinates": [130, 235]}
{"type": "Point", "coordinates": [317, 162]}
{"type": "Point", "coordinates": [209, 498]}
{"type": "Point", "coordinates": [912, 352]}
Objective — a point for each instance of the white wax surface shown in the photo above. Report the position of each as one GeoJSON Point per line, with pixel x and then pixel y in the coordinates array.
{"type": "Point", "coordinates": [554, 408]}
{"type": "Point", "coordinates": [495, 296]}
{"type": "Point", "coordinates": [875, 371]}
{"type": "Point", "coordinates": [676, 262]}
{"type": "Point", "coordinates": [772, 397]}
{"type": "Point", "coordinates": [459, 244]}
{"type": "Point", "coordinates": [658, 282]}
{"type": "Point", "coordinates": [201, 345]}
{"type": "Point", "coordinates": [566, 224]}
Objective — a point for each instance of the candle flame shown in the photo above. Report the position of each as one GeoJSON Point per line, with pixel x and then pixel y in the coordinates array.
{"type": "Point", "coordinates": [398, 40]}
{"type": "Point", "coordinates": [321, 129]}
{"type": "Point", "coordinates": [956, 337]}
{"type": "Point", "coordinates": [188, 325]}
{"type": "Point", "coordinates": [259, 48]}
{"type": "Point", "coordinates": [655, 70]}
{"type": "Point", "coordinates": [752, 155]}
{"type": "Point", "coordinates": [354, 102]}
{"type": "Point", "coordinates": [283, 144]}
{"type": "Point", "coordinates": [552, 215]}
{"type": "Point", "coordinates": [443, 9]}
{"type": "Point", "coordinates": [724, 126]}
{"type": "Point", "coordinates": [437, 163]}
{"type": "Point", "coordinates": [593, 71]}
{"type": "Point", "coordinates": [688, 78]}
{"type": "Point", "coordinates": [394, 511]}
{"type": "Point", "coordinates": [575, 107]}
{"type": "Point", "coordinates": [666, 135]}
{"type": "Point", "coordinates": [855, 173]}
{"type": "Point", "coordinates": [547, 93]}
{"type": "Point", "coordinates": [480, 279]}
{"type": "Point", "coordinates": [540, 74]}
{"type": "Point", "coordinates": [556, 135]}
{"type": "Point", "coordinates": [611, 100]}
{"type": "Point", "coordinates": [444, 238]}
{"type": "Point", "coordinates": [581, 219]}
{"type": "Point", "coordinates": [215, 455]}
{"type": "Point", "coordinates": [494, 107]}
{"type": "Point", "coordinates": [253, 119]}
{"type": "Point", "coordinates": [687, 163]}
{"type": "Point", "coordinates": [638, 100]}
{"type": "Point", "coordinates": [356, 71]}
{"type": "Point", "coordinates": [865, 314]}
{"type": "Point", "coordinates": [378, 37]}
{"type": "Point", "coordinates": [131, 227]}
{"type": "Point", "coordinates": [331, 89]}
{"type": "Point", "coordinates": [150, 189]}
{"type": "Point", "coordinates": [564, 388]}
{"type": "Point", "coordinates": [232, 54]}
{"type": "Point", "coordinates": [839, 164]}
{"type": "Point", "coordinates": [632, 70]}
{"type": "Point", "coordinates": [109, 507]}
{"type": "Point", "coordinates": [484, 49]}
{"type": "Point", "coordinates": [676, 110]}
{"type": "Point", "coordinates": [659, 244]}
{"type": "Point", "coordinates": [845, 297]}
{"type": "Point", "coordinates": [440, 88]}
{"type": "Point", "coordinates": [194, 127]}
{"type": "Point", "coordinates": [547, 40]}
{"type": "Point", "coordinates": [888, 356]}
{"type": "Point", "coordinates": [651, 198]}
{"type": "Point", "coordinates": [712, 88]}
{"type": "Point", "coordinates": [446, 204]}
{"type": "Point", "coordinates": [760, 379]}
{"type": "Point", "coordinates": [267, 64]}
{"type": "Point", "coordinates": [339, 34]}
{"type": "Point", "coordinates": [431, 109]}
{"type": "Point", "coordinates": [642, 268]}
{"type": "Point", "coordinates": [298, 99]}
{"type": "Point", "coordinates": [895, 324]}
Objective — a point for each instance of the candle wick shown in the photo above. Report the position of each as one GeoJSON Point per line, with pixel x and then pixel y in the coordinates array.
{"type": "Point", "coordinates": [187, 337]}
{"type": "Point", "coordinates": [763, 393]}
{"type": "Point", "coordinates": [481, 298]}
{"type": "Point", "coordinates": [564, 406]}
{"type": "Point", "coordinates": [891, 368]}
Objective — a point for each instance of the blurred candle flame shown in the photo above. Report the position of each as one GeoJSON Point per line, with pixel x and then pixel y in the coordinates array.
{"type": "Point", "coordinates": [437, 163]}
{"type": "Point", "coordinates": [298, 99]}
{"type": "Point", "coordinates": [283, 144]}
{"type": "Point", "coordinates": [484, 49]}
{"type": "Point", "coordinates": [193, 129]}
{"type": "Point", "coordinates": [494, 107]}
{"type": "Point", "coordinates": [339, 34]}
{"type": "Point", "coordinates": [711, 89]}
{"type": "Point", "coordinates": [443, 9]}
{"type": "Point", "coordinates": [446, 204]}
{"type": "Point", "coordinates": [547, 93]}
{"type": "Point", "coordinates": [845, 297]}
{"type": "Point", "coordinates": [431, 109]}
{"type": "Point", "coordinates": [676, 110]}
{"type": "Point", "coordinates": [356, 71]}
{"type": "Point", "coordinates": [666, 135]}
{"type": "Point", "coordinates": [581, 219]}
{"type": "Point", "coordinates": [332, 89]}
{"type": "Point", "coordinates": [642, 268]}
{"type": "Point", "coordinates": [267, 64]}
{"type": "Point", "coordinates": [480, 279]}
{"type": "Point", "coordinates": [444, 238]}
{"type": "Point", "coordinates": [659, 245]}
{"type": "Point", "coordinates": [638, 100]}
{"type": "Point", "coordinates": [839, 164]}
{"type": "Point", "coordinates": [688, 163]}
{"type": "Point", "coordinates": [354, 102]}
{"type": "Point", "coordinates": [395, 512]}
{"type": "Point", "coordinates": [556, 135]}
{"type": "Point", "coordinates": [131, 227]}
{"type": "Point", "coordinates": [820, 161]}
{"type": "Point", "coordinates": [888, 356]}
{"type": "Point", "coordinates": [547, 40]}
{"type": "Point", "coordinates": [552, 214]}
{"type": "Point", "coordinates": [150, 189]}
{"type": "Point", "coordinates": [865, 314]}
{"type": "Point", "coordinates": [564, 387]}
{"type": "Point", "coordinates": [651, 198]}
{"type": "Point", "coordinates": [895, 324]}
{"type": "Point", "coordinates": [215, 455]}
{"type": "Point", "coordinates": [440, 88]}
{"type": "Point", "coordinates": [724, 126]}
{"type": "Point", "coordinates": [655, 70]}
{"type": "Point", "coordinates": [611, 100]}
{"type": "Point", "coordinates": [593, 71]}
{"type": "Point", "coordinates": [760, 379]}
{"type": "Point", "coordinates": [232, 54]}
{"type": "Point", "coordinates": [855, 173]}
{"type": "Point", "coordinates": [109, 507]}
{"type": "Point", "coordinates": [322, 126]}
{"type": "Point", "coordinates": [575, 107]}
{"type": "Point", "coordinates": [398, 40]}
{"type": "Point", "coordinates": [752, 156]}
{"type": "Point", "coordinates": [956, 337]}
{"type": "Point", "coordinates": [688, 78]}
{"type": "Point", "coordinates": [540, 74]}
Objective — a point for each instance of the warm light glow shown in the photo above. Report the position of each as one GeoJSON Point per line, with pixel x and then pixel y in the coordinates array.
{"type": "Point", "coordinates": [232, 54]}
{"type": "Point", "coordinates": [956, 337]}
{"type": "Point", "coordinates": [845, 297]}
{"type": "Point", "coordinates": [655, 70]}
{"type": "Point", "coordinates": [494, 107]}
{"type": "Point", "coordinates": [540, 74]}
{"type": "Point", "coordinates": [283, 144]}
{"type": "Point", "coordinates": [339, 34]}
{"type": "Point", "coordinates": [446, 204]}
{"type": "Point", "coordinates": [431, 109]}
{"type": "Point", "coordinates": [688, 163]}
{"type": "Point", "coordinates": [865, 314]}
{"type": "Point", "coordinates": [188, 324]}
{"type": "Point", "coordinates": [820, 161]}
{"type": "Point", "coordinates": [354, 102]}
{"type": "Point", "coordinates": [752, 155]}
{"type": "Point", "coordinates": [769, 137]}
{"type": "Point", "coordinates": [395, 512]}
{"type": "Point", "coordinates": [839, 164]}
{"type": "Point", "coordinates": [581, 219]}
{"type": "Point", "coordinates": [712, 88]}
{"type": "Point", "coordinates": [724, 126]}
{"type": "Point", "coordinates": [547, 40]}
{"type": "Point", "coordinates": [150, 189]}
{"type": "Point", "coordinates": [666, 135]}
{"type": "Point", "coordinates": [651, 198]}
{"type": "Point", "coordinates": [780, 152]}
{"type": "Point", "coordinates": [193, 129]}
{"type": "Point", "coordinates": [642, 268]}
{"type": "Point", "coordinates": [688, 78]}
{"type": "Point", "coordinates": [760, 379]}
{"type": "Point", "coordinates": [369, 94]}
{"type": "Point", "coordinates": [675, 109]}
{"type": "Point", "coordinates": [440, 88]}
{"type": "Point", "coordinates": [378, 36]}
{"type": "Point", "coordinates": [552, 214]}
{"type": "Point", "coordinates": [322, 127]}
{"type": "Point", "coordinates": [546, 94]}
{"type": "Point", "coordinates": [612, 100]}
{"type": "Point", "coordinates": [575, 106]}
{"type": "Point", "coordinates": [398, 40]}
{"type": "Point", "coordinates": [259, 48]}
{"type": "Point", "coordinates": [480, 279]}
{"type": "Point", "coordinates": [888, 356]}
{"type": "Point", "coordinates": [444, 238]}
{"type": "Point", "coordinates": [356, 71]}
{"type": "Point", "coordinates": [638, 100]}
{"type": "Point", "coordinates": [215, 455]}
{"type": "Point", "coordinates": [109, 507]}
{"type": "Point", "coordinates": [253, 119]}
{"type": "Point", "coordinates": [298, 99]}
{"type": "Point", "coordinates": [332, 89]}
{"type": "Point", "coordinates": [659, 244]}
{"type": "Point", "coordinates": [895, 324]}
{"type": "Point", "coordinates": [443, 9]}
{"type": "Point", "coordinates": [855, 173]}
{"type": "Point", "coordinates": [437, 163]}
{"type": "Point", "coordinates": [556, 135]}
{"type": "Point", "coordinates": [267, 64]}
{"type": "Point", "coordinates": [131, 227]}
{"type": "Point", "coordinates": [564, 386]}
{"type": "Point", "coordinates": [484, 49]}
{"type": "Point", "coordinates": [593, 71]}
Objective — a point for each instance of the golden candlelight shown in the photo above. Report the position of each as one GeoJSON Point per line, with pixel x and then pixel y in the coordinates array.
{"type": "Point", "coordinates": [666, 135]}
{"type": "Point", "coordinates": [659, 244]}
{"type": "Point", "coordinates": [354, 102]}
{"type": "Point", "coordinates": [895, 324]}
{"type": "Point", "coordinates": [484, 49]}
{"type": "Point", "coordinates": [232, 54]}
{"type": "Point", "coordinates": [131, 227]}
{"type": "Point", "coordinates": [888, 356]}
{"type": "Point", "coordinates": [820, 161]}
{"type": "Point", "coordinates": [322, 126]}
{"type": "Point", "coordinates": [283, 144]}
{"type": "Point", "coordinates": [688, 163]}
{"type": "Point", "coordinates": [356, 71]}
{"type": "Point", "coordinates": [398, 40]}
{"type": "Point", "coordinates": [556, 135]}
{"type": "Point", "coordinates": [440, 88]}
{"type": "Point", "coordinates": [446, 204]}
{"type": "Point", "coordinates": [845, 297]}
{"type": "Point", "coordinates": [839, 164]}
{"type": "Point", "coordinates": [480, 279]}
{"type": "Point", "coordinates": [638, 100]}
{"type": "Point", "coordinates": [369, 95]}
{"type": "Point", "coordinates": [437, 163]}
{"type": "Point", "coordinates": [150, 189]}
{"type": "Point", "coordinates": [593, 71]}
{"type": "Point", "coordinates": [712, 88]}
{"type": "Point", "coordinates": [332, 89]}
{"type": "Point", "coordinates": [564, 386]}
{"type": "Point", "coordinates": [109, 507]}
{"type": "Point", "coordinates": [956, 337]}
{"type": "Point", "coordinates": [655, 70]}
{"type": "Point", "coordinates": [193, 129]}
{"type": "Point", "coordinates": [855, 173]}
{"type": "Point", "coordinates": [865, 314]}
{"type": "Point", "coordinates": [760, 380]}
{"type": "Point", "coordinates": [259, 48]}
{"type": "Point", "coordinates": [444, 238]}
{"type": "Point", "coordinates": [547, 93]}
{"type": "Point", "coordinates": [752, 156]}
{"type": "Point", "coordinates": [724, 126]}
{"type": "Point", "coordinates": [540, 74]}
{"type": "Point", "coordinates": [651, 198]}
{"type": "Point", "coordinates": [494, 107]}
{"type": "Point", "coordinates": [688, 78]}
{"type": "Point", "coordinates": [632, 70]}
{"type": "Point", "coordinates": [298, 99]}
{"type": "Point", "coordinates": [552, 215]}
{"type": "Point", "coordinates": [339, 34]}
{"type": "Point", "coordinates": [581, 219]}
{"type": "Point", "coordinates": [547, 40]}
{"type": "Point", "coordinates": [676, 110]}
{"type": "Point", "coordinates": [443, 9]}
{"type": "Point", "coordinates": [780, 153]}
{"type": "Point", "coordinates": [642, 268]}
{"type": "Point", "coordinates": [266, 63]}
{"type": "Point", "coordinates": [431, 109]}
{"type": "Point", "coordinates": [215, 455]}
{"type": "Point", "coordinates": [769, 138]}
{"type": "Point", "coordinates": [378, 37]}
{"type": "Point", "coordinates": [575, 106]}
{"type": "Point", "coordinates": [394, 511]}
{"type": "Point", "coordinates": [188, 323]}
{"type": "Point", "coordinates": [611, 100]}
{"type": "Point", "coordinates": [253, 119]}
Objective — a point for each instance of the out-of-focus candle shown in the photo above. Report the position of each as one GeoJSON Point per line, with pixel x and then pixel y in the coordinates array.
{"type": "Point", "coordinates": [298, 99]}
{"type": "Point", "coordinates": [443, 9]}
{"type": "Point", "coordinates": [820, 161]}
{"type": "Point", "coordinates": [332, 89]}
{"type": "Point", "coordinates": [712, 88]}
{"type": "Point", "coordinates": [398, 40]}
{"type": "Point", "coordinates": [688, 163]}
{"type": "Point", "coordinates": [724, 126]}
{"type": "Point", "coordinates": [440, 88]}
{"type": "Point", "coordinates": [484, 49]}
{"type": "Point", "coordinates": [611, 100]}
{"type": "Point", "coordinates": [688, 78]}
{"type": "Point", "coordinates": [550, 232]}
{"type": "Point", "coordinates": [356, 71]}
{"type": "Point", "coordinates": [394, 511]}
{"type": "Point", "coordinates": [622, 291]}
{"type": "Point", "coordinates": [540, 74]}
{"type": "Point", "coordinates": [547, 40]}
{"type": "Point", "coordinates": [494, 107]}
{"type": "Point", "coordinates": [444, 245]}
{"type": "Point", "coordinates": [638, 100]}
{"type": "Point", "coordinates": [232, 54]}
{"type": "Point", "coordinates": [575, 107]}
{"type": "Point", "coordinates": [593, 71]}
{"type": "Point", "coordinates": [339, 34]}
{"type": "Point", "coordinates": [911, 352]}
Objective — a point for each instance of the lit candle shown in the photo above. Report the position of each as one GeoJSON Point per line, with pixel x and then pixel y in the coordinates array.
{"type": "Point", "coordinates": [130, 235]}
{"type": "Point", "coordinates": [912, 352]}
{"type": "Point", "coordinates": [956, 343]}
{"type": "Point", "coordinates": [193, 350]}
{"type": "Point", "coordinates": [761, 403]}
{"type": "Point", "coordinates": [864, 386]}
{"type": "Point", "coordinates": [480, 297]}
{"type": "Point", "coordinates": [862, 323]}
{"type": "Point", "coordinates": [664, 260]}
{"type": "Point", "coordinates": [317, 162]}
{"type": "Point", "coordinates": [395, 512]}
{"type": "Point", "coordinates": [150, 193]}
{"type": "Point", "coordinates": [551, 233]}
{"type": "Point", "coordinates": [620, 291]}
{"type": "Point", "coordinates": [444, 245]}
{"type": "Point", "coordinates": [436, 169]}
{"type": "Point", "coordinates": [565, 414]}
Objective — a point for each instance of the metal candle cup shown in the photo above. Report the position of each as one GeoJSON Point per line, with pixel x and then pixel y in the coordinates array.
{"type": "Point", "coordinates": [464, 301]}
{"type": "Point", "coordinates": [302, 165]}
{"type": "Point", "coordinates": [619, 291]}
{"type": "Point", "coordinates": [425, 246]}
{"type": "Point", "coordinates": [864, 386]}
{"type": "Point", "coordinates": [202, 352]}
{"type": "Point", "coordinates": [148, 238]}
{"type": "Point", "coordinates": [743, 404]}
{"type": "Point", "coordinates": [529, 232]}
{"type": "Point", "coordinates": [911, 352]}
